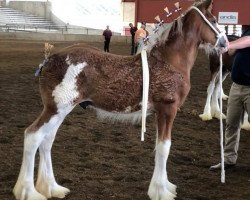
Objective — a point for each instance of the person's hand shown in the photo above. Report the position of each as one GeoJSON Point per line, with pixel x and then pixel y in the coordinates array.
{"type": "Point", "coordinates": [223, 50]}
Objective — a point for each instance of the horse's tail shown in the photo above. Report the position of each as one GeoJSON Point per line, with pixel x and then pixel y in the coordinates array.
{"type": "Point", "coordinates": [47, 51]}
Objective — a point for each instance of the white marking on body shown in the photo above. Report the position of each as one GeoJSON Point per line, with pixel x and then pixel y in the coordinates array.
{"type": "Point", "coordinates": [160, 188]}
{"type": "Point", "coordinates": [66, 92]}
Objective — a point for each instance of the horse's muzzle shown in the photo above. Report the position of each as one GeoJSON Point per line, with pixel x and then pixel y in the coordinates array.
{"type": "Point", "coordinates": [222, 40]}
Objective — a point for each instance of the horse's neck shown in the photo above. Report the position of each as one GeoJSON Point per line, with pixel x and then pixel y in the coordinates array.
{"type": "Point", "coordinates": [185, 56]}
{"type": "Point", "coordinates": [181, 54]}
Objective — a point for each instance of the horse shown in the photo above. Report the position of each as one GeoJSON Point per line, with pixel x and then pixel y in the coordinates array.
{"type": "Point", "coordinates": [212, 108]}
{"type": "Point", "coordinates": [112, 86]}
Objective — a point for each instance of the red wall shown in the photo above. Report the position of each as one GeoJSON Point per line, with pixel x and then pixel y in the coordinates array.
{"type": "Point", "coordinates": [146, 10]}
{"type": "Point", "coordinates": [240, 6]}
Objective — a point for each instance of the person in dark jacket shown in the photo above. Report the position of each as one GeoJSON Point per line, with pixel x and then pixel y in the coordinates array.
{"type": "Point", "coordinates": [239, 97]}
{"type": "Point", "coordinates": [107, 34]}
{"type": "Point", "coordinates": [133, 29]}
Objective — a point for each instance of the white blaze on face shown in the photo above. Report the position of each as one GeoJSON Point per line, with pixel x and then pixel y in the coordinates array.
{"type": "Point", "coordinates": [66, 92]}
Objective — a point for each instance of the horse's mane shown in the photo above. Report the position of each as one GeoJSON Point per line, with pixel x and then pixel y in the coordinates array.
{"type": "Point", "coordinates": [163, 34]}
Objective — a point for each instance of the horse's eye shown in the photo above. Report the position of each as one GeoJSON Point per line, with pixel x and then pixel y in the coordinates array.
{"type": "Point", "coordinates": [214, 21]}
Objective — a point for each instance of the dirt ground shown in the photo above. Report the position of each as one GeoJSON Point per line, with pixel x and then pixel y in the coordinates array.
{"type": "Point", "coordinates": [97, 160]}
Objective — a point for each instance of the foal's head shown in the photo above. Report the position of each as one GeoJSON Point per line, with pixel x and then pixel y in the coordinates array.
{"type": "Point", "coordinates": [197, 26]}
{"type": "Point", "coordinates": [206, 24]}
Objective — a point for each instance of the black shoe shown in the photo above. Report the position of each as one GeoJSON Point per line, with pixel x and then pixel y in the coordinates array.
{"type": "Point", "coordinates": [218, 167]}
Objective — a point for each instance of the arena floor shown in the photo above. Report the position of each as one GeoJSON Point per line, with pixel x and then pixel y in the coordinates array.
{"type": "Point", "coordinates": [97, 160]}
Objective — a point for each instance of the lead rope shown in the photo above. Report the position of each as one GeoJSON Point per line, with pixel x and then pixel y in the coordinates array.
{"type": "Point", "coordinates": [144, 91]}
{"type": "Point", "coordinates": [221, 127]}
{"type": "Point", "coordinates": [219, 34]}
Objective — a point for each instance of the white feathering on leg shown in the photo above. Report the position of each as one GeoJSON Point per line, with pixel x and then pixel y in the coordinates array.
{"type": "Point", "coordinates": [160, 188]}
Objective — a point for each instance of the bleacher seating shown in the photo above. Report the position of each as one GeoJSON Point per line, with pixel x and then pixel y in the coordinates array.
{"type": "Point", "coordinates": [14, 20]}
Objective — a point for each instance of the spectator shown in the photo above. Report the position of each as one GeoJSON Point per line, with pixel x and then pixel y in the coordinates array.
{"type": "Point", "coordinates": [239, 97]}
{"type": "Point", "coordinates": [133, 29]}
{"type": "Point", "coordinates": [107, 34]}
{"type": "Point", "coordinates": [144, 23]}
{"type": "Point", "coordinates": [140, 34]}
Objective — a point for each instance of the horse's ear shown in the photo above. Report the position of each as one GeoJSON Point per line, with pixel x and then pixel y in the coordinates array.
{"type": "Point", "coordinates": [208, 4]}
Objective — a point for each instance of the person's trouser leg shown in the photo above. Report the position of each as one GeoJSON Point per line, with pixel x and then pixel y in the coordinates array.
{"type": "Point", "coordinates": [107, 44]}
{"type": "Point", "coordinates": [234, 116]}
{"type": "Point", "coordinates": [136, 48]}
{"type": "Point", "coordinates": [132, 48]}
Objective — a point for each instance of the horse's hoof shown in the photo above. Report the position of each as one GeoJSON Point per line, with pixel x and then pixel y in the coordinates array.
{"type": "Point", "coordinates": [52, 190]}
{"type": "Point", "coordinates": [165, 191]}
{"type": "Point", "coordinates": [60, 191]}
{"type": "Point", "coordinates": [26, 193]}
{"type": "Point", "coordinates": [225, 97]}
{"type": "Point", "coordinates": [217, 115]}
{"type": "Point", "coordinates": [246, 126]}
{"type": "Point", "coordinates": [205, 116]}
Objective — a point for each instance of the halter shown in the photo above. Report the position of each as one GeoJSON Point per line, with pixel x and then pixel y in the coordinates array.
{"type": "Point", "coordinates": [219, 34]}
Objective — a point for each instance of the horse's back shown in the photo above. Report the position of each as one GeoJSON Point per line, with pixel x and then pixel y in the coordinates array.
{"type": "Point", "coordinates": [57, 64]}
{"type": "Point", "coordinates": [93, 70]}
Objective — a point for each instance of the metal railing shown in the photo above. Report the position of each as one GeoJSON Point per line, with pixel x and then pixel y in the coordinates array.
{"type": "Point", "coordinates": [48, 28]}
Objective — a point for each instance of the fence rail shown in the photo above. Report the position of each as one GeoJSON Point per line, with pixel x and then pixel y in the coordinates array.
{"type": "Point", "coordinates": [64, 29]}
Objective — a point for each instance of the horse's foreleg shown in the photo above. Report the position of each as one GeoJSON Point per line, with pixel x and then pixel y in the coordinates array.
{"type": "Point", "coordinates": [46, 183]}
{"type": "Point", "coordinates": [160, 188]}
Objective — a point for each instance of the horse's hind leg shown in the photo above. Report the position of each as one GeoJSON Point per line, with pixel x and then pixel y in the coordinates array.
{"type": "Point", "coordinates": [33, 137]}
{"type": "Point", "coordinates": [39, 134]}
{"type": "Point", "coordinates": [24, 188]}
{"type": "Point", "coordinates": [246, 124]}
{"type": "Point", "coordinates": [46, 183]}
{"type": "Point", "coordinates": [215, 107]}
{"type": "Point", "coordinates": [206, 115]}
